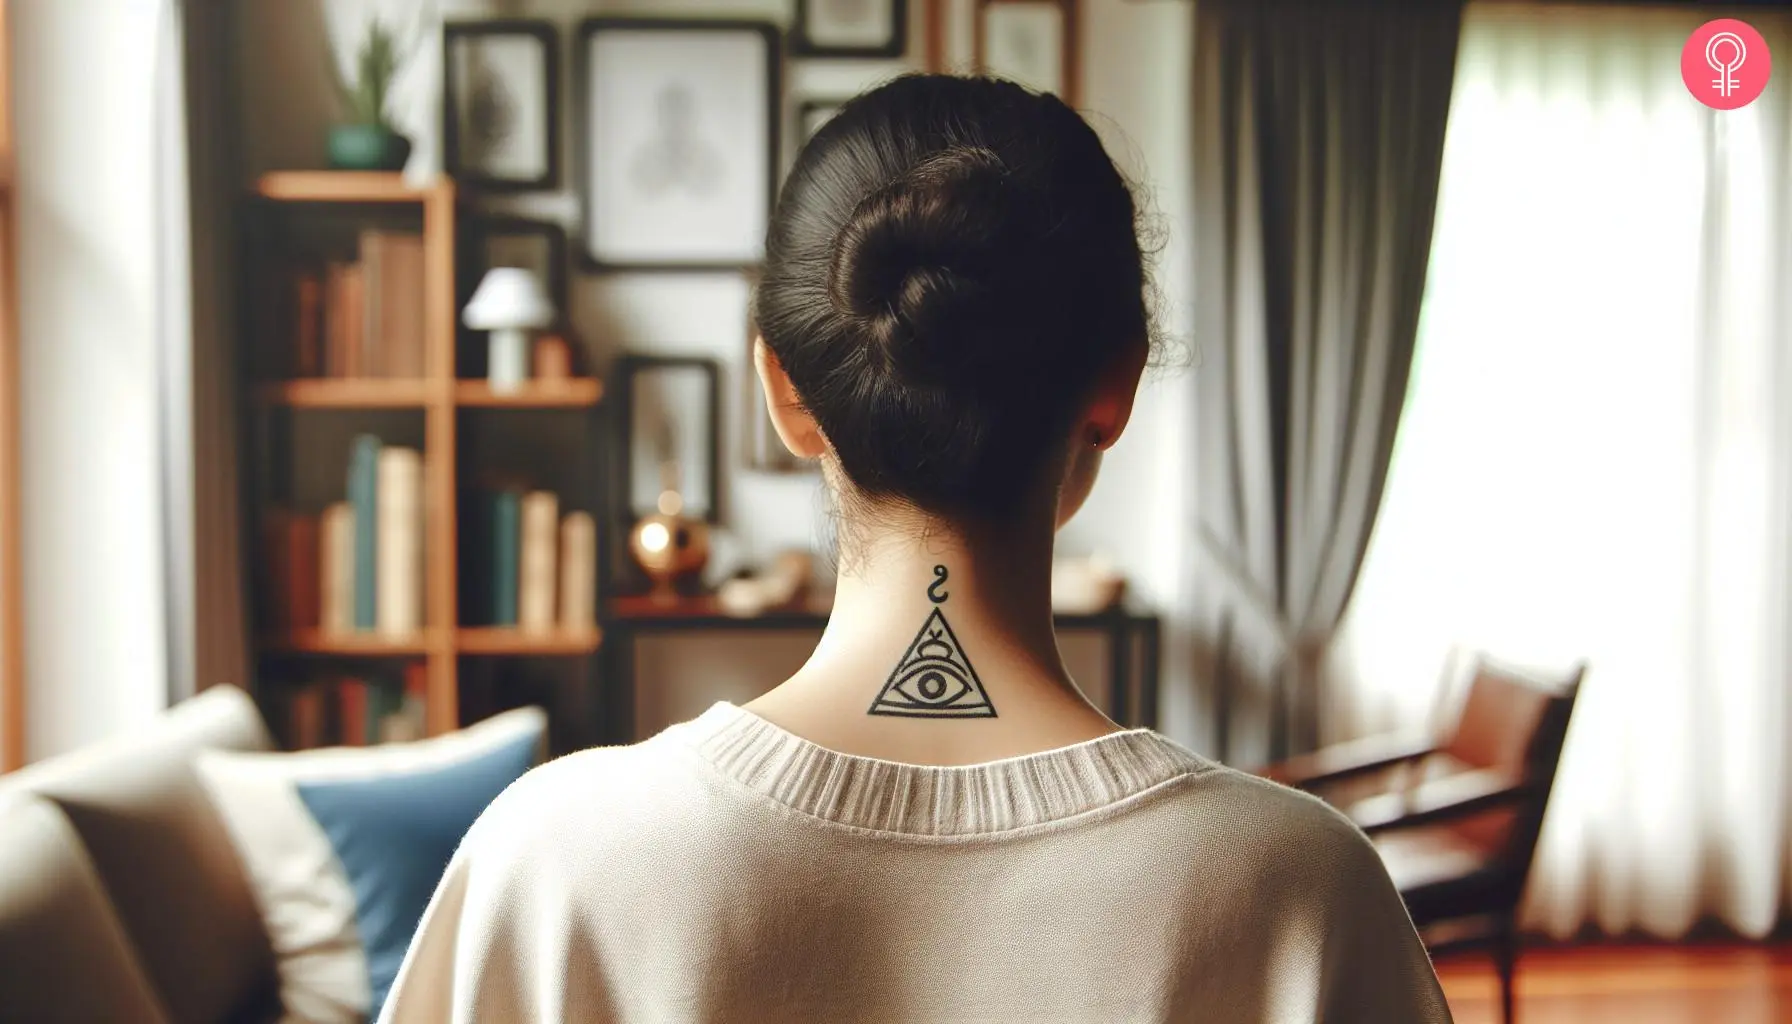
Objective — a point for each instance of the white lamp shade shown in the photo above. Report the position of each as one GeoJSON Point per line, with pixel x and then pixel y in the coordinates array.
{"type": "Point", "coordinates": [508, 298]}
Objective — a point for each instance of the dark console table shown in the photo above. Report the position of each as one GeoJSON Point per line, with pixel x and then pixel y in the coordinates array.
{"type": "Point", "coordinates": [1133, 635]}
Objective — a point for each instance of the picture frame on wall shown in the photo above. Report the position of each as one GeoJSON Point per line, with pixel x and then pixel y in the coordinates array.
{"type": "Point", "coordinates": [678, 142]}
{"type": "Point", "coordinates": [671, 428]}
{"type": "Point", "coordinates": [501, 240]}
{"type": "Point", "coordinates": [1033, 42]}
{"type": "Point", "coordinates": [850, 28]}
{"type": "Point", "coordinates": [812, 113]}
{"type": "Point", "coordinates": [500, 104]}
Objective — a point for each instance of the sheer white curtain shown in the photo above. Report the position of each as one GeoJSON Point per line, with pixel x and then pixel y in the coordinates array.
{"type": "Point", "coordinates": [1596, 457]}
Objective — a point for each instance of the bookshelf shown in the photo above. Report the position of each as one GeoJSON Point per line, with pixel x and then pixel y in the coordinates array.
{"type": "Point", "coordinates": [439, 396]}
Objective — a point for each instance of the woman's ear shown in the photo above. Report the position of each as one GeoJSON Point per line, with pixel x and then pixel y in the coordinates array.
{"type": "Point", "coordinates": [1110, 406]}
{"type": "Point", "coordinates": [795, 427]}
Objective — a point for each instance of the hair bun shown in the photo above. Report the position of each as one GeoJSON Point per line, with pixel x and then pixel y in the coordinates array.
{"type": "Point", "coordinates": [915, 265]}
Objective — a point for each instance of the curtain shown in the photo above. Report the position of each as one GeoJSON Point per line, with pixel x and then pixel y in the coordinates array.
{"type": "Point", "coordinates": [211, 613]}
{"type": "Point", "coordinates": [1596, 459]}
{"type": "Point", "coordinates": [1318, 128]}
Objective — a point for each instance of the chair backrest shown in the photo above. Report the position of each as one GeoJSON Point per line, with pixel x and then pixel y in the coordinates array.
{"type": "Point", "coordinates": [1516, 724]}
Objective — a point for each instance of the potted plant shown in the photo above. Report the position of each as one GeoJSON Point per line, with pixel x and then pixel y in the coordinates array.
{"type": "Point", "coordinates": [368, 142]}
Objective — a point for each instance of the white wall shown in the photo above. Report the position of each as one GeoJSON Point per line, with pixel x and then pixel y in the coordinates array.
{"type": "Point", "coordinates": [95, 645]}
{"type": "Point", "coordinates": [1135, 67]}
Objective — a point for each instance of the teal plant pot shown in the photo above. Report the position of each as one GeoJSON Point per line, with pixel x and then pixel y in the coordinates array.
{"type": "Point", "coordinates": [367, 147]}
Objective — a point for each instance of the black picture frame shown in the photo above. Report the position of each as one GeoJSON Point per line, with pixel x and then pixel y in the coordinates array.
{"type": "Point", "coordinates": [768, 35]}
{"type": "Point", "coordinates": [629, 505]}
{"type": "Point", "coordinates": [545, 33]}
{"type": "Point", "coordinates": [481, 228]}
{"type": "Point", "coordinates": [803, 44]}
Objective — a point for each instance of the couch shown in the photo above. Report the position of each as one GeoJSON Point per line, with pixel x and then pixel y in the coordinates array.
{"type": "Point", "coordinates": [121, 897]}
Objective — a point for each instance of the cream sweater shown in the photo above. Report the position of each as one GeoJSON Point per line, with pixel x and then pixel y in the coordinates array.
{"type": "Point", "coordinates": [727, 870]}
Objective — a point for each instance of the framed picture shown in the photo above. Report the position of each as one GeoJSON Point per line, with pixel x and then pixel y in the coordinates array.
{"type": "Point", "coordinates": [851, 28]}
{"type": "Point", "coordinates": [1032, 42]}
{"type": "Point", "coordinates": [500, 118]}
{"type": "Point", "coordinates": [762, 449]}
{"type": "Point", "coordinates": [811, 114]}
{"type": "Point", "coordinates": [670, 411]}
{"type": "Point", "coordinates": [678, 150]}
{"type": "Point", "coordinates": [495, 240]}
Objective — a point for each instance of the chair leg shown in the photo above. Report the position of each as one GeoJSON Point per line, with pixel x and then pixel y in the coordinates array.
{"type": "Point", "coordinates": [1505, 960]}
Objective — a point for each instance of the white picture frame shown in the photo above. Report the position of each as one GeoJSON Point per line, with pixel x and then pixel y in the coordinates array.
{"type": "Point", "coordinates": [1032, 42]}
{"type": "Point", "coordinates": [678, 128]}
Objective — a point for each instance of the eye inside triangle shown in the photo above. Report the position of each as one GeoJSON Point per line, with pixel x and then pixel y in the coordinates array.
{"type": "Point", "coordinates": [934, 679]}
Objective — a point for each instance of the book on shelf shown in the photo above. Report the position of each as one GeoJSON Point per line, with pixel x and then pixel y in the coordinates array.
{"type": "Point", "coordinates": [306, 717]}
{"type": "Point", "coordinates": [306, 311]}
{"type": "Point", "coordinates": [358, 710]}
{"type": "Point", "coordinates": [393, 332]}
{"type": "Point", "coordinates": [336, 557]}
{"type": "Point", "coordinates": [507, 540]}
{"type": "Point", "coordinates": [352, 698]}
{"type": "Point", "coordinates": [578, 572]}
{"type": "Point", "coordinates": [399, 543]}
{"type": "Point", "coordinates": [535, 587]}
{"type": "Point", "coordinates": [363, 495]}
{"type": "Point", "coordinates": [358, 318]}
{"type": "Point", "coordinates": [290, 547]}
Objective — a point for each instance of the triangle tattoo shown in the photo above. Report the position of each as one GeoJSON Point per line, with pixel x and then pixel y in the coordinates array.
{"type": "Point", "coordinates": [934, 679]}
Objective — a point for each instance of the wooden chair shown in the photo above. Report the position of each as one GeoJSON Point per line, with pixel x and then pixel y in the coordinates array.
{"type": "Point", "coordinates": [1456, 821]}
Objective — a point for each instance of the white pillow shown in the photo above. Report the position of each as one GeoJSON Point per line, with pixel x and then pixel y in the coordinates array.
{"type": "Point", "coordinates": [307, 891]}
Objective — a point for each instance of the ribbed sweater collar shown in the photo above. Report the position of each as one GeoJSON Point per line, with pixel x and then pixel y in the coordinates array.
{"type": "Point", "coordinates": [931, 800]}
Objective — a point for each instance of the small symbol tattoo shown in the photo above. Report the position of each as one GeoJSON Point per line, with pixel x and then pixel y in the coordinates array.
{"type": "Point", "coordinates": [934, 679]}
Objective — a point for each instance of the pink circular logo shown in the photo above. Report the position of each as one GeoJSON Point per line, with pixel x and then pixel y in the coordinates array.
{"type": "Point", "coordinates": [1725, 64]}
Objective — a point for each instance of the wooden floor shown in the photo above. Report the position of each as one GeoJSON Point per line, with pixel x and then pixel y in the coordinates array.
{"type": "Point", "coordinates": [1734, 984]}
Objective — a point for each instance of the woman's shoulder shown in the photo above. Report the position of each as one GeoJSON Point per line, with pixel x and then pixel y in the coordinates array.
{"type": "Point", "coordinates": [593, 798]}
{"type": "Point", "coordinates": [1288, 832]}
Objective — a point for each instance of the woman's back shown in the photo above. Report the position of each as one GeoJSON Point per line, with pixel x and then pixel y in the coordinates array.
{"type": "Point", "coordinates": [727, 870]}
{"type": "Point", "coordinates": [928, 821]}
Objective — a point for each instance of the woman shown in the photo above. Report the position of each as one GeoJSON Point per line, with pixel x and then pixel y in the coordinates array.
{"type": "Point", "coordinates": [927, 822]}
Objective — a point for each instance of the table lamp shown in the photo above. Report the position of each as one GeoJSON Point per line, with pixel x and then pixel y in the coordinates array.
{"type": "Point", "coordinates": [509, 303]}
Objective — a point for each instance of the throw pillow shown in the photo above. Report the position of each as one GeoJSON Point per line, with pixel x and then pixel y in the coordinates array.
{"type": "Point", "coordinates": [345, 846]}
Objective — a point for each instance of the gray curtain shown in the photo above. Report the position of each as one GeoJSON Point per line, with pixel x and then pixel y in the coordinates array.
{"type": "Point", "coordinates": [1318, 132]}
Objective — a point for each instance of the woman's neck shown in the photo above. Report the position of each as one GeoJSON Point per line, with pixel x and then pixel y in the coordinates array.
{"type": "Point", "coordinates": [939, 650]}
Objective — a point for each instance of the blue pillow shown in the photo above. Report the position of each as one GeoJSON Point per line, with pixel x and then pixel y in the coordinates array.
{"type": "Point", "coordinates": [345, 846]}
{"type": "Point", "coordinates": [395, 835]}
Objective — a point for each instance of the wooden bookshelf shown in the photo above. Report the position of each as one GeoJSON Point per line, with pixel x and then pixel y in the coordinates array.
{"type": "Point", "coordinates": [346, 187]}
{"type": "Point", "coordinates": [351, 393]}
{"type": "Point", "coordinates": [438, 396]}
{"type": "Point", "coordinates": [536, 394]}
{"type": "Point", "coordinates": [511, 640]}
{"type": "Point", "coordinates": [364, 643]}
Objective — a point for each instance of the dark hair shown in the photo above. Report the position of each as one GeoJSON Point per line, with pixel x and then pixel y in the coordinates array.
{"type": "Point", "coordinates": [951, 265]}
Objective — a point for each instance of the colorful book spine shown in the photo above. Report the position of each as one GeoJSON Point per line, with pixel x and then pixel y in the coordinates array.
{"type": "Point", "coordinates": [578, 572]}
{"type": "Point", "coordinates": [352, 701]}
{"type": "Point", "coordinates": [416, 699]}
{"type": "Point", "coordinates": [399, 578]}
{"type": "Point", "coordinates": [507, 540]}
{"type": "Point", "coordinates": [305, 717]}
{"type": "Point", "coordinates": [535, 590]}
{"type": "Point", "coordinates": [403, 305]}
{"type": "Point", "coordinates": [336, 556]}
{"type": "Point", "coordinates": [363, 495]}
{"type": "Point", "coordinates": [354, 319]}
{"type": "Point", "coordinates": [307, 323]}
{"type": "Point", "coordinates": [335, 340]}
{"type": "Point", "coordinates": [373, 272]}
